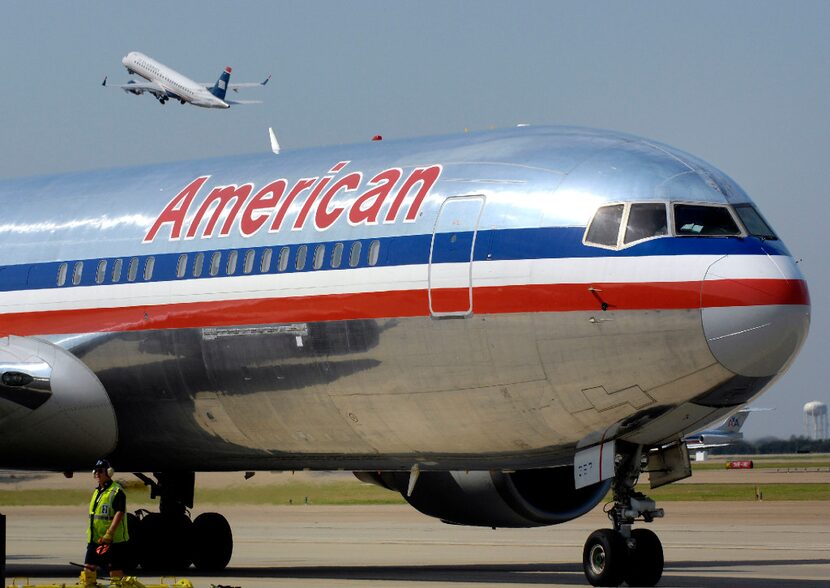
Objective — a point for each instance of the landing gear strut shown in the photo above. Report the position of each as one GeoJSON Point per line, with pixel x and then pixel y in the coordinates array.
{"type": "Point", "coordinates": [614, 556]}
{"type": "Point", "coordinates": [168, 540]}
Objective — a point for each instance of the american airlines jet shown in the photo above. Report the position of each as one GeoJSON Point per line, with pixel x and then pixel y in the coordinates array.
{"type": "Point", "coordinates": [165, 83]}
{"type": "Point", "coordinates": [726, 433]}
{"type": "Point", "coordinates": [500, 326]}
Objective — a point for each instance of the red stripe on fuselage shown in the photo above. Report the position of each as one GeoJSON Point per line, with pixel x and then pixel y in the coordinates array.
{"type": "Point", "coordinates": [753, 292]}
{"type": "Point", "coordinates": [409, 303]}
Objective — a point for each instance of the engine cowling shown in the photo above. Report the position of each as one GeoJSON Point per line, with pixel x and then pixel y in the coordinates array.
{"type": "Point", "coordinates": [526, 498]}
{"type": "Point", "coordinates": [137, 91]}
{"type": "Point", "coordinates": [54, 412]}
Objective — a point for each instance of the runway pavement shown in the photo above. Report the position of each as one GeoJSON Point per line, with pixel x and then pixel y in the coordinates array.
{"type": "Point", "coordinates": [706, 544]}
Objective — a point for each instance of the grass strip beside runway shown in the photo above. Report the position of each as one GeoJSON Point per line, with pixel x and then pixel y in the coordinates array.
{"type": "Point", "coordinates": [738, 492]}
{"type": "Point", "coordinates": [760, 464]}
{"type": "Point", "coordinates": [348, 492]}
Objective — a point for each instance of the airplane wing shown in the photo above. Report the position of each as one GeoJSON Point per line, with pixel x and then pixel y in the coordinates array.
{"type": "Point", "coordinates": [147, 86]}
{"type": "Point", "coordinates": [235, 87]}
{"type": "Point", "coordinates": [138, 87]}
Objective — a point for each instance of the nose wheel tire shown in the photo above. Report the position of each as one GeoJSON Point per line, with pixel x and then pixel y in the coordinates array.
{"type": "Point", "coordinates": [609, 559]}
{"type": "Point", "coordinates": [604, 558]}
{"type": "Point", "coordinates": [645, 559]}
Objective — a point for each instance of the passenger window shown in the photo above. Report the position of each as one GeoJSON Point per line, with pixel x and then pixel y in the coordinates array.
{"type": "Point", "coordinates": [265, 262]}
{"type": "Point", "coordinates": [374, 252]}
{"type": "Point", "coordinates": [149, 264]}
{"type": "Point", "coordinates": [336, 255]}
{"type": "Point", "coordinates": [132, 269]}
{"type": "Point", "coordinates": [605, 226]}
{"type": "Point", "coordinates": [248, 263]}
{"type": "Point", "coordinates": [116, 270]}
{"type": "Point", "coordinates": [703, 221]}
{"type": "Point", "coordinates": [101, 272]}
{"type": "Point", "coordinates": [644, 221]}
{"type": "Point", "coordinates": [319, 255]}
{"type": "Point", "coordinates": [77, 272]}
{"type": "Point", "coordinates": [181, 267]}
{"type": "Point", "coordinates": [198, 262]}
{"type": "Point", "coordinates": [283, 262]}
{"type": "Point", "coordinates": [299, 263]}
{"type": "Point", "coordinates": [354, 255]}
{"type": "Point", "coordinates": [215, 260]}
{"type": "Point", "coordinates": [62, 274]}
{"type": "Point", "coordinates": [754, 222]}
{"type": "Point", "coordinates": [230, 268]}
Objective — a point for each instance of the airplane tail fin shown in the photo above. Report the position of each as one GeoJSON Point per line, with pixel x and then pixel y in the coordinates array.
{"type": "Point", "coordinates": [734, 423]}
{"type": "Point", "coordinates": [221, 85]}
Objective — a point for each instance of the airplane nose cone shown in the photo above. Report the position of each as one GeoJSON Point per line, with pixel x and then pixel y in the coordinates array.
{"type": "Point", "coordinates": [756, 313]}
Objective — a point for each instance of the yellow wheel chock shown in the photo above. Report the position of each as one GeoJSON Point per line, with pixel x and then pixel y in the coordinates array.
{"type": "Point", "coordinates": [89, 581]}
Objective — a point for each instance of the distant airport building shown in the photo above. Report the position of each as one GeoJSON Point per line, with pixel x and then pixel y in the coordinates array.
{"type": "Point", "coordinates": [815, 420]}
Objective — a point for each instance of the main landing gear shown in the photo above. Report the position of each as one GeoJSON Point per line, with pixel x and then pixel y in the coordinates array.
{"type": "Point", "coordinates": [169, 540]}
{"type": "Point", "coordinates": [614, 556]}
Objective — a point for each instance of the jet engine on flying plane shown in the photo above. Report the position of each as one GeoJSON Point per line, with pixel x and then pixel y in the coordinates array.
{"type": "Point", "coordinates": [136, 92]}
{"type": "Point", "coordinates": [524, 498]}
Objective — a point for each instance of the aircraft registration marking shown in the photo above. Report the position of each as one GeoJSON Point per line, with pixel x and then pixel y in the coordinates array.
{"type": "Point", "coordinates": [594, 464]}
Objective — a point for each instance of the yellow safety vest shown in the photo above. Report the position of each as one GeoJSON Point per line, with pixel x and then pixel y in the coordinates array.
{"type": "Point", "coordinates": [101, 515]}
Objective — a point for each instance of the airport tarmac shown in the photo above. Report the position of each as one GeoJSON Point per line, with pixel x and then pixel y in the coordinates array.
{"type": "Point", "coordinates": [706, 544]}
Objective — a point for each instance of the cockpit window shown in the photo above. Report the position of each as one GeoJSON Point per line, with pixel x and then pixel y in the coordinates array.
{"type": "Point", "coordinates": [605, 227]}
{"type": "Point", "coordinates": [754, 222]}
{"type": "Point", "coordinates": [645, 221]}
{"type": "Point", "coordinates": [704, 221]}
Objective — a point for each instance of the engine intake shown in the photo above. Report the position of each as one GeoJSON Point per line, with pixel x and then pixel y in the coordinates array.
{"type": "Point", "coordinates": [527, 498]}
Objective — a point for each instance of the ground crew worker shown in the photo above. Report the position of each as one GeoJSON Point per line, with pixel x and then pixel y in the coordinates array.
{"type": "Point", "coordinates": [106, 534]}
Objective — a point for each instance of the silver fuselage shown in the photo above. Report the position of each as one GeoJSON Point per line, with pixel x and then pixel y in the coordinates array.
{"type": "Point", "coordinates": [486, 334]}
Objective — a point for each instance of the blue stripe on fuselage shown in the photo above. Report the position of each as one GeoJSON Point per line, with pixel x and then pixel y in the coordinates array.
{"type": "Point", "coordinates": [561, 242]}
{"type": "Point", "coordinates": [502, 244]}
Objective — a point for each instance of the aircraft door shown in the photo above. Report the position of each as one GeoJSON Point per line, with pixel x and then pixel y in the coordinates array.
{"type": "Point", "coordinates": [451, 256]}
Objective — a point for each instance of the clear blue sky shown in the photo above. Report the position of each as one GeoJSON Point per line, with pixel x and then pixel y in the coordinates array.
{"type": "Point", "coordinates": [744, 85]}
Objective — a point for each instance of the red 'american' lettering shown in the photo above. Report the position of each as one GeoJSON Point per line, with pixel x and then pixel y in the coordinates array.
{"type": "Point", "coordinates": [327, 201]}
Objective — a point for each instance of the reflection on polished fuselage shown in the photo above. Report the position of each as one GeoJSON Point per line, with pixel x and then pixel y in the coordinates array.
{"type": "Point", "coordinates": [483, 301]}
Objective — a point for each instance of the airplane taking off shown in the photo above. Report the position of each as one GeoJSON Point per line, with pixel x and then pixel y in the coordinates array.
{"type": "Point", "coordinates": [500, 326]}
{"type": "Point", "coordinates": [165, 83]}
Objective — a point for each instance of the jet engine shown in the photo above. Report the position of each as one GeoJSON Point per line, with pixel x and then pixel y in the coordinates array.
{"type": "Point", "coordinates": [525, 498]}
{"type": "Point", "coordinates": [54, 412]}
{"type": "Point", "coordinates": [137, 92]}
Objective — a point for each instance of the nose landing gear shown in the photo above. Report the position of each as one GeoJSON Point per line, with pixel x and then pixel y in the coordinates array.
{"type": "Point", "coordinates": [613, 556]}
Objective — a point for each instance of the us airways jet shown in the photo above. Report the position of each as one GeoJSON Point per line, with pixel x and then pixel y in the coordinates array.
{"type": "Point", "coordinates": [165, 83]}
{"type": "Point", "coordinates": [500, 326]}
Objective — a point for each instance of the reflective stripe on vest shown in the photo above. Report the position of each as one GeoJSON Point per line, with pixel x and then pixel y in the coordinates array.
{"type": "Point", "coordinates": [101, 515]}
